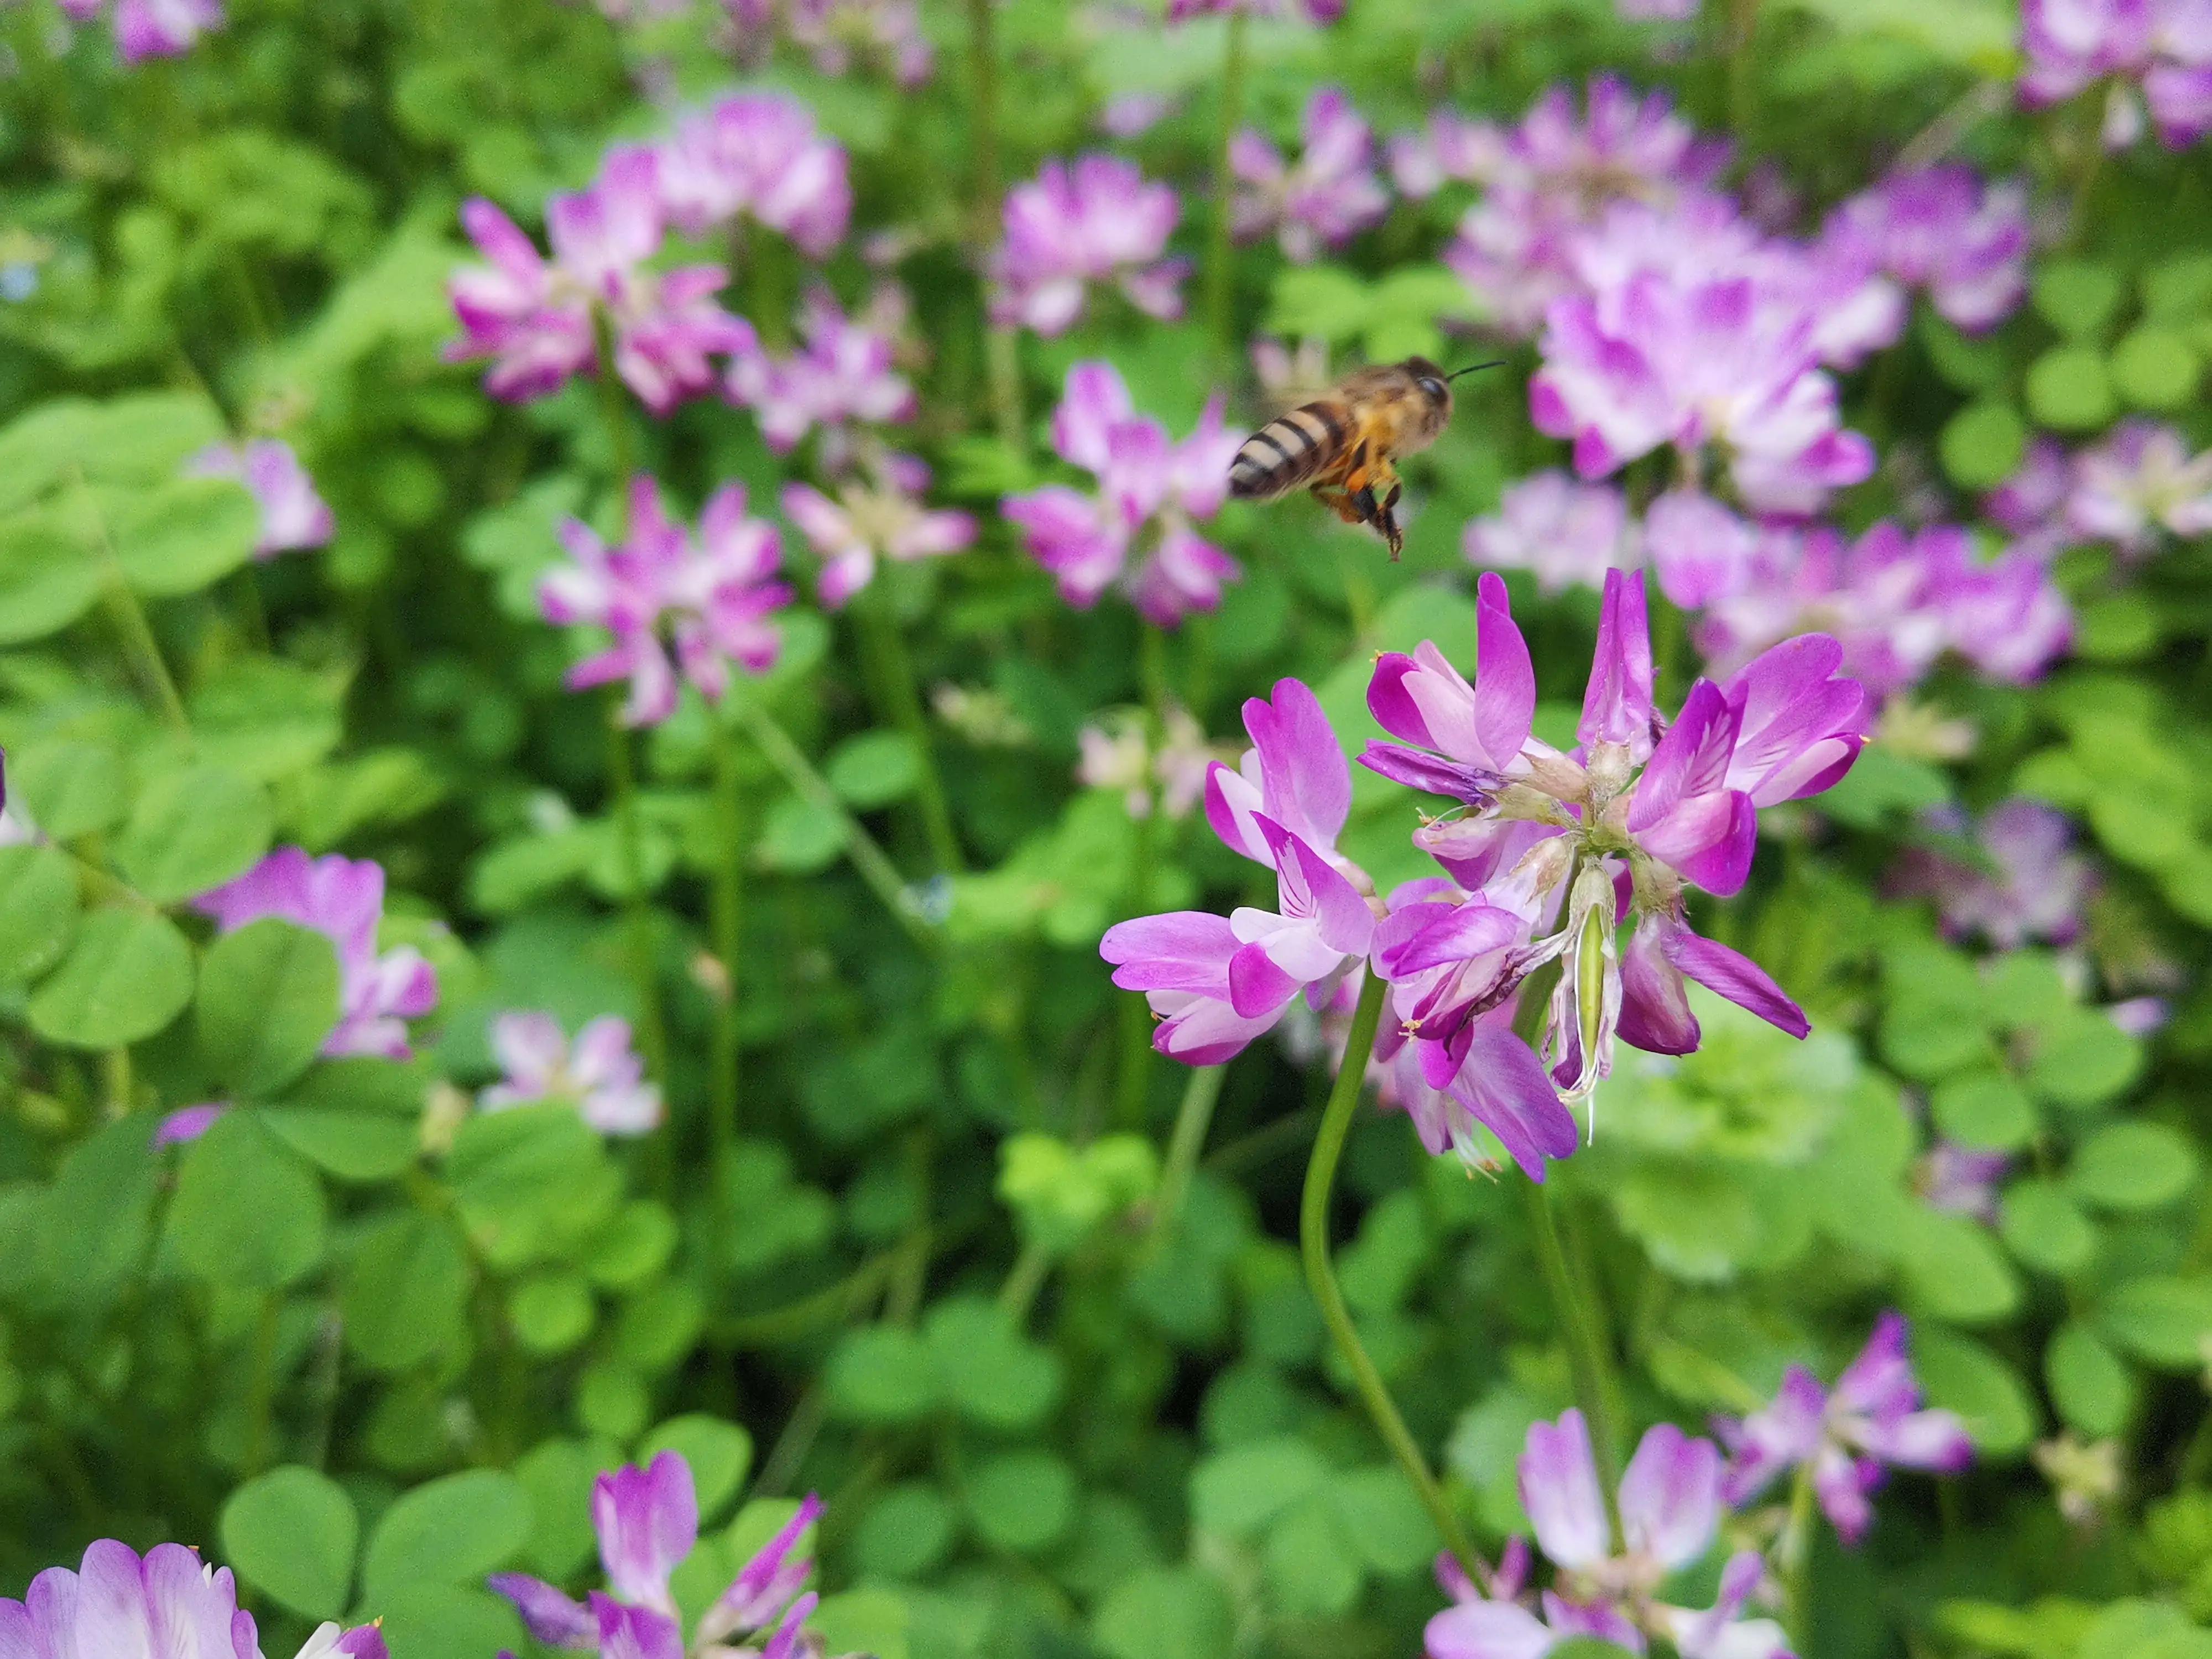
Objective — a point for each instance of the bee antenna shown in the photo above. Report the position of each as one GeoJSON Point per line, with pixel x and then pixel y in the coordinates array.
{"type": "Point", "coordinates": [1495, 363]}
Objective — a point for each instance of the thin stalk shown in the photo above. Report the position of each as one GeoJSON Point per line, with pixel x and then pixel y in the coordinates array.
{"type": "Point", "coordinates": [866, 858]}
{"type": "Point", "coordinates": [261, 1396]}
{"type": "Point", "coordinates": [1593, 1379]}
{"type": "Point", "coordinates": [728, 914]}
{"type": "Point", "coordinates": [901, 693]}
{"type": "Point", "coordinates": [1219, 253]}
{"type": "Point", "coordinates": [622, 774]}
{"type": "Point", "coordinates": [1796, 1553]}
{"type": "Point", "coordinates": [1743, 27]}
{"type": "Point", "coordinates": [1020, 1293]}
{"type": "Point", "coordinates": [1193, 1118]}
{"type": "Point", "coordinates": [138, 641]}
{"type": "Point", "coordinates": [767, 287]}
{"type": "Point", "coordinates": [1001, 358]}
{"type": "Point", "coordinates": [1313, 1235]}
{"type": "Point", "coordinates": [614, 410]}
{"type": "Point", "coordinates": [248, 584]}
{"type": "Point", "coordinates": [831, 1305]}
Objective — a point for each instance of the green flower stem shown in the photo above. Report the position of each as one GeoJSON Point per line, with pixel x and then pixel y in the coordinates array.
{"type": "Point", "coordinates": [261, 1396]}
{"type": "Point", "coordinates": [1586, 1359]}
{"type": "Point", "coordinates": [1313, 1234]}
{"type": "Point", "coordinates": [1193, 1118]}
{"type": "Point", "coordinates": [614, 410]}
{"type": "Point", "coordinates": [1219, 254]}
{"type": "Point", "coordinates": [866, 858]}
{"type": "Point", "coordinates": [622, 775]}
{"type": "Point", "coordinates": [1742, 29]}
{"type": "Point", "coordinates": [1026, 1278]}
{"type": "Point", "coordinates": [831, 1305]}
{"type": "Point", "coordinates": [727, 902]}
{"type": "Point", "coordinates": [1001, 356]}
{"type": "Point", "coordinates": [768, 283]}
{"type": "Point", "coordinates": [885, 646]}
{"type": "Point", "coordinates": [129, 617]}
{"type": "Point", "coordinates": [1796, 1557]}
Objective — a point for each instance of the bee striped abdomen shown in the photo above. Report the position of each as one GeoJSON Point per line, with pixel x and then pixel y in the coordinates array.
{"type": "Point", "coordinates": [1289, 451]}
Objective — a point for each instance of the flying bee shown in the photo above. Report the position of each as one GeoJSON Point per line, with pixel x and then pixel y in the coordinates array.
{"type": "Point", "coordinates": [1343, 444]}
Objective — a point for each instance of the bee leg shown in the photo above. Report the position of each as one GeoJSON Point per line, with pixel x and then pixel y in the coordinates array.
{"type": "Point", "coordinates": [1333, 497]}
{"type": "Point", "coordinates": [1386, 522]}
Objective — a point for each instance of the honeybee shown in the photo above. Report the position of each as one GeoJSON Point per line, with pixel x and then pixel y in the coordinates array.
{"type": "Point", "coordinates": [1342, 444]}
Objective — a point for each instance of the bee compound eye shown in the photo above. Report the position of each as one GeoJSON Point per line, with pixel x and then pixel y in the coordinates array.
{"type": "Point", "coordinates": [1433, 386]}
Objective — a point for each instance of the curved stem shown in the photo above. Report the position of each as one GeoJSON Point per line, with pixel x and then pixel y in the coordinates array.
{"type": "Point", "coordinates": [1586, 1354]}
{"type": "Point", "coordinates": [902, 694]}
{"type": "Point", "coordinates": [622, 774]}
{"type": "Point", "coordinates": [1321, 1278]}
{"type": "Point", "coordinates": [1193, 1118]}
{"type": "Point", "coordinates": [1220, 290]}
{"type": "Point", "coordinates": [728, 907]}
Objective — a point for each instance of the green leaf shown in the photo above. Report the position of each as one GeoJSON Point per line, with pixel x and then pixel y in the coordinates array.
{"type": "Point", "coordinates": [38, 911]}
{"type": "Point", "coordinates": [551, 1312]}
{"type": "Point", "coordinates": [2162, 1321]}
{"type": "Point", "coordinates": [184, 535]}
{"type": "Point", "coordinates": [265, 717]}
{"type": "Point", "coordinates": [611, 1400]}
{"type": "Point", "coordinates": [405, 1295]}
{"type": "Point", "coordinates": [2068, 388]}
{"type": "Point", "coordinates": [992, 1373]}
{"type": "Point", "coordinates": [905, 1533]}
{"type": "Point", "coordinates": [1384, 1519]}
{"type": "Point", "coordinates": [124, 978]}
{"type": "Point", "coordinates": [882, 1374]}
{"type": "Point", "coordinates": [720, 1455]}
{"type": "Point", "coordinates": [1986, 1109]}
{"type": "Point", "coordinates": [2179, 289]}
{"type": "Point", "coordinates": [2156, 368]}
{"type": "Point", "coordinates": [1166, 1612]}
{"type": "Point", "coordinates": [444, 1621]}
{"type": "Point", "coordinates": [799, 838]}
{"type": "Point", "coordinates": [871, 1621]}
{"type": "Point", "coordinates": [268, 998]}
{"type": "Point", "coordinates": [1961, 1375]}
{"type": "Point", "coordinates": [1023, 1501]}
{"type": "Point", "coordinates": [353, 1145]}
{"type": "Point", "coordinates": [291, 1534]}
{"type": "Point", "coordinates": [2084, 1060]}
{"type": "Point", "coordinates": [94, 1219]}
{"type": "Point", "coordinates": [451, 1531]}
{"type": "Point", "coordinates": [558, 1476]}
{"type": "Point", "coordinates": [248, 1213]}
{"type": "Point", "coordinates": [192, 831]}
{"type": "Point", "coordinates": [71, 788]}
{"type": "Point", "coordinates": [532, 1183]}
{"type": "Point", "coordinates": [1952, 1271]}
{"type": "Point", "coordinates": [2133, 1166]}
{"type": "Point", "coordinates": [1238, 1492]}
{"type": "Point", "coordinates": [1982, 445]}
{"type": "Point", "coordinates": [2045, 1227]}
{"type": "Point", "coordinates": [2076, 297]}
{"type": "Point", "coordinates": [47, 578]}
{"type": "Point", "coordinates": [1311, 1562]}
{"type": "Point", "coordinates": [873, 770]}
{"type": "Point", "coordinates": [2092, 1387]}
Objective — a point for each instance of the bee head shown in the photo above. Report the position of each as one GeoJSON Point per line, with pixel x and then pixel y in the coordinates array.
{"type": "Point", "coordinates": [1430, 381]}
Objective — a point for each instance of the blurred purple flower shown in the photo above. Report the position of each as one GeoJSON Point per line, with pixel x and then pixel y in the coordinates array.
{"type": "Point", "coordinates": [1317, 11]}
{"type": "Point", "coordinates": [1150, 489]}
{"type": "Point", "coordinates": [293, 516]}
{"type": "Point", "coordinates": [878, 517]}
{"type": "Point", "coordinates": [2151, 56]}
{"type": "Point", "coordinates": [1669, 1508]}
{"type": "Point", "coordinates": [2141, 1016]}
{"type": "Point", "coordinates": [1097, 222]}
{"type": "Point", "coordinates": [1325, 199]}
{"type": "Point", "coordinates": [2139, 481]}
{"type": "Point", "coordinates": [600, 1074]}
{"type": "Point", "coordinates": [842, 374]}
{"type": "Point", "coordinates": [674, 604]}
{"type": "Point", "coordinates": [2030, 505]}
{"type": "Point", "coordinates": [534, 317]}
{"type": "Point", "coordinates": [1568, 533]}
{"type": "Point", "coordinates": [1450, 146]}
{"type": "Point", "coordinates": [1116, 752]}
{"type": "Point", "coordinates": [168, 1606]}
{"type": "Point", "coordinates": [2033, 887]}
{"type": "Point", "coordinates": [1962, 1181]}
{"type": "Point", "coordinates": [152, 28]}
{"type": "Point", "coordinates": [834, 33]}
{"type": "Point", "coordinates": [647, 1523]}
{"type": "Point", "coordinates": [1699, 550]}
{"type": "Point", "coordinates": [757, 155]}
{"type": "Point", "coordinates": [1943, 230]}
{"type": "Point", "coordinates": [1656, 11]}
{"type": "Point", "coordinates": [1848, 1438]}
{"type": "Point", "coordinates": [343, 899]}
{"type": "Point", "coordinates": [187, 1124]}
{"type": "Point", "coordinates": [1131, 114]}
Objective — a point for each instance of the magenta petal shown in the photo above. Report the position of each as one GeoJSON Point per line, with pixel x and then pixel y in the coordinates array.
{"type": "Point", "coordinates": [1180, 951]}
{"type": "Point", "coordinates": [1670, 1501]}
{"type": "Point", "coordinates": [1257, 988]}
{"type": "Point", "coordinates": [1392, 705]}
{"type": "Point", "coordinates": [1347, 925]}
{"type": "Point", "coordinates": [1559, 1491]}
{"type": "Point", "coordinates": [547, 1613]}
{"type": "Point", "coordinates": [1504, 679]}
{"type": "Point", "coordinates": [1691, 760]}
{"type": "Point", "coordinates": [1503, 1083]}
{"type": "Point", "coordinates": [1432, 775]}
{"type": "Point", "coordinates": [1462, 933]}
{"type": "Point", "coordinates": [1654, 1009]}
{"type": "Point", "coordinates": [1302, 762]}
{"type": "Point", "coordinates": [1617, 707]}
{"type": "Point", "coordinates": [647, 1520]}
{"type": "Point", "coordinates": [1737, 977]}
{"type": "Point", "coordinates": [1487, 1630]}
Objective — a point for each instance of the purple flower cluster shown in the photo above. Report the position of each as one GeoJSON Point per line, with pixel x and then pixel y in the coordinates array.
{"type": "Point", "coordinates": [1317, 11]}
{"type": "Point", "coordinates": [293, 516]}
{"type": "Point", "coordinates": [1149, 488]}
{"type": "Point", "coordinates": [152, 28]}
{"type": "Point", "coordinates": [2136, 486]}
{"type": "Point", "coordinates": [1564, 533]}
{"type": "Point", "coordinates": [837, 33]}
{"type": "Point", "coordinates": [1324, 199]}
{"type": "Point", "coordinates": [343, 899]}
{"type": "Point", "coordinates": [1541, 854]}
{"type": "Point", "coordinates": [678, 606]}
{"type": "Point", "coordinates": [2152, 57]}
{"type": "Point", "coordinates": [2028, 885]}
{"type": "Point", "coordinates": [842, 374]}
{"type": "Point", "coordinates": [755, 156]}
{"type": "Point", "coordinates": [170, 1605]}
{"type": "Point", "coordinates": [600, 1074]}
{"type": "Point", "coordinates": [1075, 227]}
{"type": "Point", "coordinates": [647, 1523]}
{"type": "Point", "coordinates": [877, 514]}
{"type": "Point", "coordinates": [1943, 232]}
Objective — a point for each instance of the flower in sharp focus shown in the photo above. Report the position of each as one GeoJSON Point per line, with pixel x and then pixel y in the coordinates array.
{"type": "Point", "coordinates": [293, 516]}
{"type": "Point", "coordinates": [1565, 532]}
{"type": "Point", "coordinates": [871, 517]}
{"type": "Point", "coordinates": [342, 898]}
{"type": "Point", "coordinates": [647, 1523]}
{"type": "Point", "coordinates": [2152, 57]}
{"type": "Point", "coordinates": [1848, 1437]}
{"type": "Point", "coordinates": [1324, 198]}
{"type": "Point", "coordinates": [169, 1605]}
{"type": "Point", "coordinates": [1094, 222]}
{"type": "Point", "coordinates": [2139, 481]}
{"type": "Point", "coordinates": [757, 155]}
{"type": "Point", "coordinates": [2027, 884]}
{"type": "Point", "coordinates": [534, 317]}
{"type": "Point", "coordinates": [1943, 230]}
{"type": "Point", "coordinates": [152, 28]}
{"type": "Point", "coordinates": [1149, 487]}
{"type": "Point", "coordinates": [1607, 1587]}
{"type": "Point", "coordinates": [843, 374]}
{"type": "Point", "coordinates": [1542, 836]}
{"type": "Point", "coordinates": [676, 604]}
{"type": "Point", "coordinates": [600, 1074]}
